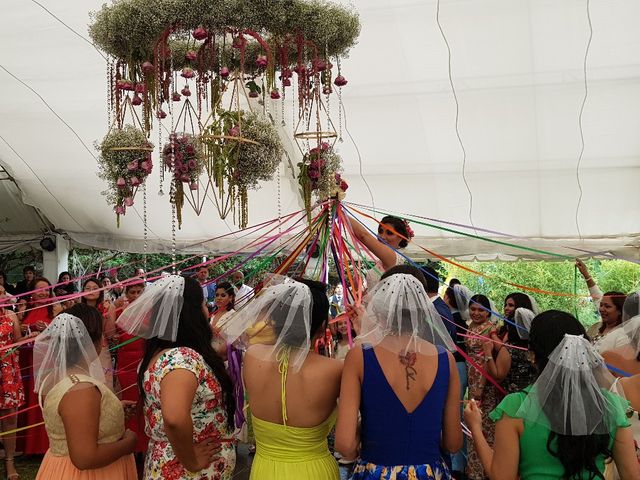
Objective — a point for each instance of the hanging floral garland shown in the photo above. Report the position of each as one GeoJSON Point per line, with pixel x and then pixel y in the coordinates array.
{"type": "Point", "coordinates": [243, 149]}
{"type": "Point", "coordinates": [129, 29]}
{"type": "Point", "coordinates": [184, 157]}
{"type": "Point", "coordinates": [166, 51]}
{"type": "Point", "coordinates": [124, 162]}
{"type": "Point", "coordinates": [319, 175]}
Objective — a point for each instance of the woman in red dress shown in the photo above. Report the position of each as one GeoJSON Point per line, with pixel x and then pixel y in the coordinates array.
{"type": "Point", "coordinates": [93, 295]}
{"type": "Point", "coordinates": [36, 315]}
{"type": "Point", "coordinates": [129, 357]}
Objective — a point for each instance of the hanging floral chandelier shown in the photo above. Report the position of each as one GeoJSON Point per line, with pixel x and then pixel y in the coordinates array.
{"type": "Point", "coordinates": [197, 69]}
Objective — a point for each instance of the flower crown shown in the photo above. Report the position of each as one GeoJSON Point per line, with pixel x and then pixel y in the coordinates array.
{"type": "Point", "coordinates": [410, 233]}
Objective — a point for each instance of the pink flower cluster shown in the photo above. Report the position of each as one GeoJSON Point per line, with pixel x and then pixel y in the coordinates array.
{"type": "Point", "coordinates": [137, 172]}
{"type": "Point", "coordinates": [180, 157]}
{"type": "Point", "coordinates": [340, 183]}
{"type": "Point", "coordinates": [317, 163]}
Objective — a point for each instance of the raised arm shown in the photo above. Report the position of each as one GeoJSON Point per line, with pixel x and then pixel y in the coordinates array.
{"type": "Point", "coordinates": [383, 252]}
{"type": "Point", "coordinates": [594, 290]}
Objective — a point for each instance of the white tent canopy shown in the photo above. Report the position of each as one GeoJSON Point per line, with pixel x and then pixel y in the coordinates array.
{"type": "Point", "coordinates": [517, 69]}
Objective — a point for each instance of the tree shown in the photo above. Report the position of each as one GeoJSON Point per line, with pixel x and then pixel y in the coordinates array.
{"type": "Point", "coordinates": [559, 277]}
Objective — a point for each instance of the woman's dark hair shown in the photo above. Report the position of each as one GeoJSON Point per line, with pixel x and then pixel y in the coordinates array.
{"type": "Point", "coordinates": [481, 300]}
{"type": "Point", "coordinates": [231, 291]}
{"type": "Point", "coordinates": [319, 313]}
{"type": "Point", "coordinates": [100, 299]}
{"type": "Point", "coordinates": [68, 287]}
{"type": "Point", "coordinates": [451, 294]}
{"type": "Point", "coordinates": [520, 300]}
{"type": "Point", "coordinates": [576, 453]}
{"type": "Point", "coordinates": [32, 286]}
{"type": "Point", "coordinates": [193, 332]}
{"type": "Point", "coordinates": [617, 298]}
{"type": "Point", "coordinates": [134, 283]}
{"type": "Point", "coordinates": [408, 270]}
{"type": "Point", "coordinates": [92, 320]}
{"type": "Point", "coordinates": [399, 226]}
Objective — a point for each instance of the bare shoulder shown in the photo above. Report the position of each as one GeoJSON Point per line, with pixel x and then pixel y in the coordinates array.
{"type": "Point", "coordinates": [78, 397]}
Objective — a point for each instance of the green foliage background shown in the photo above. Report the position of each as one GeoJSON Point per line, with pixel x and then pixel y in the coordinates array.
{"type": "Point", "coordinates": [610, 275]}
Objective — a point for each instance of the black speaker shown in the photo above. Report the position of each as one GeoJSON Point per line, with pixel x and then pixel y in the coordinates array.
{"type": "Point", "coordinates": [48, 244]}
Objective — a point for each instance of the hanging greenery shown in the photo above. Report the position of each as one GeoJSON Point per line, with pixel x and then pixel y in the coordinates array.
{"type": "Point", "coordinates": [129, 29]}
{"type": "Point", "coordinates": [243, 148]}
{"type": "Point", "coordinates": [124, 162]}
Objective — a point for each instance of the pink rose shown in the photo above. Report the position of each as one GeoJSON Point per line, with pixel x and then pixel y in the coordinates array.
{"type": "Point", "coordinates": [147, 67]}
{"type": "Point", "coordinates": [119, 210]}
{"type": "Point", "coordinates": [136, 100]}
{"type": "Point", "coordinates": [200, 33]}
{"type": "Point", "coordinates": [340, 81]}
{"type": "Point", "coordinates": [193, 186]}
{"type": "Point", "coordinates": [187, 72]}
{"type": "Point", "coordinates": [275, 94]}
{"type": "Point", "coordinates": [128, 201]}
{"type": "Point", "coordinates": [132, 166]}
{"type": "Point", "coordinates": [261, 61]}
{"type": "Point", "coordinates": [185, 91]}
{"type": "Point", "coordinates": [191, 55]}
{"type": "Point", "coordinates": [135, 181]}
{"type": "Point", "coordinates": [224, 72]}
{"type": "Point", "coordinates": [121, 183]}
{"type": "Point", "coordinates": [175, 96]}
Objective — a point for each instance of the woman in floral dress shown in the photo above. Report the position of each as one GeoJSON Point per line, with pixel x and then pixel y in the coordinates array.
{"type": "Point", "coordinates": [187, 393]}
{"type": "Point", "coordinates": [11, 389]}
{"type": "Point", "coordinates": [480, 389]}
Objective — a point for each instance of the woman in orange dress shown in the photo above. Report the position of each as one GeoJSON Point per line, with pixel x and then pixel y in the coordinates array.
{"type": "Point", "coordinates": [84, 418]}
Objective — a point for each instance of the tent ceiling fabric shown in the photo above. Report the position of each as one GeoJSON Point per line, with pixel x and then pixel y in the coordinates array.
{"type": "Point", "coordinates": [517, 67]}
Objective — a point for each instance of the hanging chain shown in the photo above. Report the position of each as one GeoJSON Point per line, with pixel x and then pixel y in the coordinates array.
{"type": "Point", "coordinates": [279, 200]}
{"type": "Point", "coordinates": [172, 195]}
{"type": "Point", "coordinates": [110, 86]}
{"type": "Point", "coordinates": [144, 219]}
{"type": "Point", "coordinates": [159, 107]}
{"type": "Point", "coordinates": [284, 97]}
{"type": "Point", "coordinates": [340, 106]}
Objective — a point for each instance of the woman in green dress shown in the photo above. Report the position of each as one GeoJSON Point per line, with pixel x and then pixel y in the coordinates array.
{"type": "Point", "coordinates": [567, 423]}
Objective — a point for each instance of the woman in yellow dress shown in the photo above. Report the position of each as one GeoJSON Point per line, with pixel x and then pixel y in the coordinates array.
{"type": "Point", "coordinates": [293, 391]}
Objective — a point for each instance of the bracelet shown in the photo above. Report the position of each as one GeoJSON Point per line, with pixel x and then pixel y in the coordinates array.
{"type": "Point", "coordinates": [586, 279]}
{"type": "Point", "coordinates": [488, 359]}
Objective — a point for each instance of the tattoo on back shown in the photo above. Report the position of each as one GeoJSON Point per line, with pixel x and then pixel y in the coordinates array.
{"type": "Point", "coordinates": [409, 360]}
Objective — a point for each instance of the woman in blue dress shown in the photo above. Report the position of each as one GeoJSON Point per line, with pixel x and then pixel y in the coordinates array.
{"type": "Point", "coordinates": [403, 381]}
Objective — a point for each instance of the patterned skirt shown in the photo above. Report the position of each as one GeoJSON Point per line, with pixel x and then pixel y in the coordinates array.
{"type": "Point", "coordinates": [371, 471]}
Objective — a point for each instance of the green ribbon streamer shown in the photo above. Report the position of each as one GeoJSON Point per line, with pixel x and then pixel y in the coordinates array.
{"type": "Point", "coordinates": [478, 237]}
